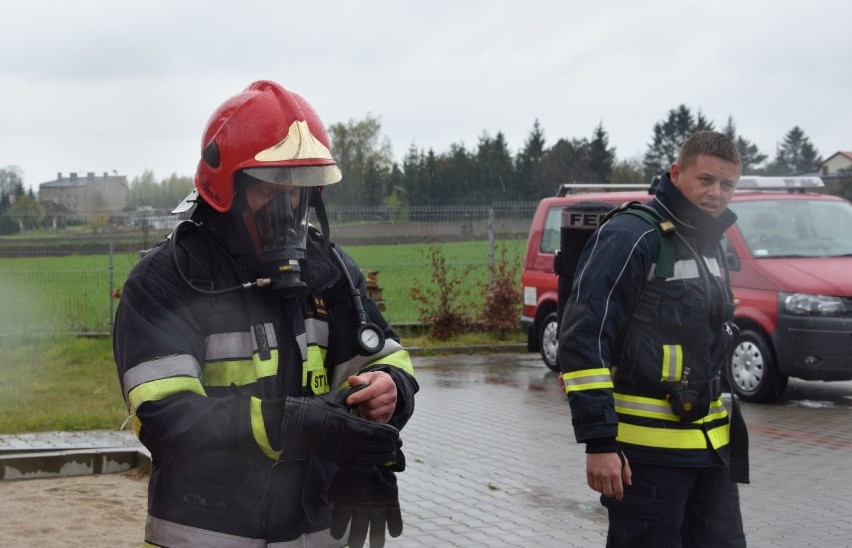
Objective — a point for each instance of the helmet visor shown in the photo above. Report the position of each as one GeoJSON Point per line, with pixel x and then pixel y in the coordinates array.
{"type": "Point", "coordinates": [307, 176]}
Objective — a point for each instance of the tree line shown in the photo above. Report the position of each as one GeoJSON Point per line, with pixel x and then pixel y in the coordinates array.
{"type": "Point", "coordinates": [490, 172]}
{"type": "Point", "coordinates": [485, 174]}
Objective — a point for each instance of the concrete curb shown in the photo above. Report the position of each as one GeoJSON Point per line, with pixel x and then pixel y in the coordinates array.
{"type": "Point", "coordinates": [76, 462]}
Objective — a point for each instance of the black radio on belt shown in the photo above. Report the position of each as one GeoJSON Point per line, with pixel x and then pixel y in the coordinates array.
{"type": "Point", "coordinates": [687, 403]}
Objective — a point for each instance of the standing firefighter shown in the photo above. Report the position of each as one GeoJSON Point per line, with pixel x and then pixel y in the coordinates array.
{"type": "Point", "coordinates": [645, 334]}
{"type": "Point", "coordinates": [267, 386]}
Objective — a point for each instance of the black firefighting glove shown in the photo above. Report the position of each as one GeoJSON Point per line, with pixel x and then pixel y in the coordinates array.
{"type": "Point", "coordinates": [366, 499]}
{"type": "Point", "coordinates": [325, 427]}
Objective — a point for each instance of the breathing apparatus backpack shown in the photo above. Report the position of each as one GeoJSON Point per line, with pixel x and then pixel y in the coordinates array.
{"type": "Point", "coordinates": [582, 219]}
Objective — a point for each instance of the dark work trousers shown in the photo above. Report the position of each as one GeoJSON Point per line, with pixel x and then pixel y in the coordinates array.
{"type": "Point", "coordinates": [669, 507]}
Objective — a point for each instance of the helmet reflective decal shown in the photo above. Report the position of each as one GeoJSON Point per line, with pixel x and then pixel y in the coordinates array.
{"type": "Point", "coordinates": [299, 144]}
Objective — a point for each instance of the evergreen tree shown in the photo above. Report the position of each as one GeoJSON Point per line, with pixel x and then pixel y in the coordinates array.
{"type": "Point", "coordinates": [413, 168]}
{"type": "Point", "coordinates": [796, 155]}
{"type": "Point", "coordinates": [751, 156]}
{"type": "Point", "coordinates": [669, 135]}
{"type": "Point", "coordinates": [601, 157]}
{"type": "Point", "coordinates": [528, 160]}
{"type": "Point", "coordinates": [494, 171]}
{"type": "Point", "coordinates": [565, 162]}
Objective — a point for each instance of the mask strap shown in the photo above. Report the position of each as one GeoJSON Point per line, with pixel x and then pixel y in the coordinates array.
{"type": "Point", "coordinates": [318, 205]}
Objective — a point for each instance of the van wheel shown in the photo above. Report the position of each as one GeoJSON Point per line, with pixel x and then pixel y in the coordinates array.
{"type": "Point", "coordinates": [548, 341]}
{"type": "Point", "coordinates": [753, 372]}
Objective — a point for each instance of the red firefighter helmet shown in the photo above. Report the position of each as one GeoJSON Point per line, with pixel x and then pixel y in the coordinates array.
{"type": "Point", "coordinates": [266, 131]}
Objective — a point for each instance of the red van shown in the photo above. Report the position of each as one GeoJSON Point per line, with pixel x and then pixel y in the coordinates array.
{"type": "Point", "coordinates": [790, 262]}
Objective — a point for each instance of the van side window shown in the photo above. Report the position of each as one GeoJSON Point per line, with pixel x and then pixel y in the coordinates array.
{"type": "Point", "coordinates": [730, 259]}
{"type": "Point", "coordinates": [550, 237]}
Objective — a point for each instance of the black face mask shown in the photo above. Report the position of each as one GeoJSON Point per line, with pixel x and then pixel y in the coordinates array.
{"type": "Point", "coordinates": [276, 235]}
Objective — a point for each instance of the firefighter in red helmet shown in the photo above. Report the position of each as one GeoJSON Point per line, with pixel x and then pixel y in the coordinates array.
{"type": "Point", "coordinates": [267, 386]}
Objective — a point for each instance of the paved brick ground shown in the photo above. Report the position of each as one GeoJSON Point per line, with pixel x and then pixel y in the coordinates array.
{"type": "Point", "coordinates": [492, 461]}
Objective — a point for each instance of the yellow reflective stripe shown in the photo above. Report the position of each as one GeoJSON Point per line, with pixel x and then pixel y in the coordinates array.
{"type": "Point", "coordinates": [720, 436]}
{"type": "Point", "coordinates": [672, 362]}
{"type": "Point", "coordinates": [644, 407]}
{"type": "Point", "coordinates": [258, 429]}
{"type": "Point", "coordinates": [587, 379]}
{"type": "Point", "coordinates": [399, 359]}
{"type": "Point", "coordinates": [163, 388]}
{"type": "Point", "coordinates": [717, 411]}
{"type": "Point", "coordinates": [240, 372]}
{"type": "Point", "coordinates": [391, 354]}
{"type": "Point", "coordinates": [314, 375]}
{"type": "Point", "coordinates": [671, 438]}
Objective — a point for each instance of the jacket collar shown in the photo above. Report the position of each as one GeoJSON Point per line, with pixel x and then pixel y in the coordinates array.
{"type": "Point", "coordinates": [691, 221]}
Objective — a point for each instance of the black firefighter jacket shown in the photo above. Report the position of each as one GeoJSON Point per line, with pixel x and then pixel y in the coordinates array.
{"type": "Point", "coordinates": [623, 363]}
{"type": "Point", "coordinates": [194, 368]}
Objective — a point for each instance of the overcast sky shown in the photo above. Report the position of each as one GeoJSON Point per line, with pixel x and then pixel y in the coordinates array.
{"type": "Point", "coordinates": [107, 86]}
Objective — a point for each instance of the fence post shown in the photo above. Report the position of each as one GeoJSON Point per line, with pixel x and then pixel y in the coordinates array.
{"type": "Point", "coordinates": [111, 276]}
{"type": "Point", "coordinates": [490, 245]}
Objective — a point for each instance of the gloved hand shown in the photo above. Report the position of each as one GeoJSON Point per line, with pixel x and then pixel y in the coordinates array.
{"type": "Point", "coordinates": [323, 426]}
{"type": "Point", "coordinates": [367, 500]}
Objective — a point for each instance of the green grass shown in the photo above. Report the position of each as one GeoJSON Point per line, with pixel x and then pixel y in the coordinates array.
{"type": "Point", "coordinates": [72, 293]}
{"type": "Point", "coordinates": [58, 383]}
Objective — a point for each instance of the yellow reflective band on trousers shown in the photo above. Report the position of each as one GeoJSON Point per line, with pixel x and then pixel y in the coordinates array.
{"type": "Point", "coordinates": [258, 429]}
{"type": "Point", "coordinates": [587, 379]}
{"type": "Point", "coordinates": [652, 408]}
{"type": "Point", "coordinates": [240, 372]}
{"type": "Point", "coordinates": [672, 362]}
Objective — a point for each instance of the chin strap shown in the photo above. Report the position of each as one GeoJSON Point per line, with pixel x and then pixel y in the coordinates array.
{"type": "Point", "coordinates": [318, 205]}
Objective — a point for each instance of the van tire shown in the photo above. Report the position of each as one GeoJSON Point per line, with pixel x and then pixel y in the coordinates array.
{"type": "Point", "coordinates": [548, 340]}
{"type": "Point", "coordinates": [753, 371]}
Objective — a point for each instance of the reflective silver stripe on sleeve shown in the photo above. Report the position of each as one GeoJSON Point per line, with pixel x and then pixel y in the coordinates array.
{"type": "Point", "coordinates": [354, 365]}
{"type": "Point", "coordinates": [179, 365]}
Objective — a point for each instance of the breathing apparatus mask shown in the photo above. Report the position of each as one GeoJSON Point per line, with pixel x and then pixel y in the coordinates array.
{"type": "Point", "coordinates": [271, 214]}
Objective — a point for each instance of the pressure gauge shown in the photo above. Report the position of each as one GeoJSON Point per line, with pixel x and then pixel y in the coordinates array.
{"type": "Point", "coordinates": [370, 339]}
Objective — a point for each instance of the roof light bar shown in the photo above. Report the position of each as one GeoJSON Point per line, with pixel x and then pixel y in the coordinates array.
{"type": "Point", "coordinates": [571, 188]}
{"type": "Point", "coordinates": [753, 182]}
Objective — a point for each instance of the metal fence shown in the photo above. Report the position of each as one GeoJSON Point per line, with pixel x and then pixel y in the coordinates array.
{"type": "Point", "coordinates": [67, 276]}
